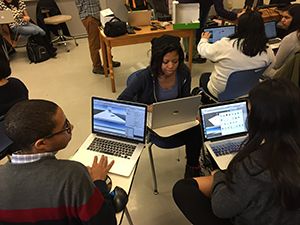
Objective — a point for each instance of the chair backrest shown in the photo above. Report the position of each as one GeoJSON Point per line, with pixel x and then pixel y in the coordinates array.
{"type": "Point", "coordinates": [46, 8]}
{"type": "Point", "coordinates": [240, 83]}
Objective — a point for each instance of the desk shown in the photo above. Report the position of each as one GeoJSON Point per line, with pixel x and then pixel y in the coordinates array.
{"type": "Point", "coordinates": [142, 36]}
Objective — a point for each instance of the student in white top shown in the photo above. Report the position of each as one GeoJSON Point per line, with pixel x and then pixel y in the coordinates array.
{"type": "Point", "coordinates": [246, 49]}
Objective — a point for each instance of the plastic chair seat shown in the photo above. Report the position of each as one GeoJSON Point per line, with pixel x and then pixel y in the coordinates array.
{"type": "Point", "coordinates": [58, 19]}
{"type": "Point", "coordinates": [165, 142]}
{"type": "Point", "coordinates": [239, 84]}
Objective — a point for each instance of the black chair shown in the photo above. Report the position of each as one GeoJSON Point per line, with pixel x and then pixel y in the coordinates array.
{"type": "Point", "coordinates": [49, 18]}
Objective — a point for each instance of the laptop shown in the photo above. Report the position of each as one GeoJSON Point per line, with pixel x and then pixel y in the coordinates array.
{"type": "Point", "coordinates": [217, 33]}
{"type": "Point", "coordinates": [139, 18]}
{"type": "Point", "coordinates": [6, 17]}
{"type": "Point", "coordinates": [271, 34]}
{"type": "Point", "coordinates": [180, 114]}
{"type": "Point", "coordinates": [118, 132]}
{"type": "Point", "coordinates": [224, 128]}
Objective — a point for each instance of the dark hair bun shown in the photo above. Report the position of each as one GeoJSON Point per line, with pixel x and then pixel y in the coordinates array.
{"type": "Point", "coordinates": [163, 42]}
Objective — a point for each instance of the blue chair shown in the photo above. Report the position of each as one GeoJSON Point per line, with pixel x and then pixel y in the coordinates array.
{"type": "Point", "coordinates": [240, 83]}
{"type": "Point", "coordinates": [153, 139]}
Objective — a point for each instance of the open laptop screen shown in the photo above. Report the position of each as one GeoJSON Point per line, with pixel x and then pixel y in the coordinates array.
{"type": "Point", "coordinates": [224, 119]}
{"type": "Point", "coordinates": [119, 119]}
{"type": "Point", "coordinates": [217, 33]}
{"type": "Point", "coordinates": [270, 29]}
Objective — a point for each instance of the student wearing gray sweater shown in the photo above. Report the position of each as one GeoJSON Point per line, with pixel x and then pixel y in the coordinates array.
{"type": "Point", "coordinates": [289, 45]}
{"type": "Point", "coordinates": [37, 188]}
{"type": "Point", "coordinates": [262, 183]}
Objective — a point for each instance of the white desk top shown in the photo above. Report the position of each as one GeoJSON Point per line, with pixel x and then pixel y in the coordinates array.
{"type": "Point", "coordinates": [170, 130]}
{"type": "Point", "coordinates": [174, 129]}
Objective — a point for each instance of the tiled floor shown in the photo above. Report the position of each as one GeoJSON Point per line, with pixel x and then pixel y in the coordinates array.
{"type": "Point", "coordinates": [68, 81]}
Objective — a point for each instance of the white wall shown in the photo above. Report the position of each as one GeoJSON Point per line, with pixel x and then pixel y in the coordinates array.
{"type": "Point", "coordinates": [66, 7]}
{"type": "Point", "coordinates": [75, 26]}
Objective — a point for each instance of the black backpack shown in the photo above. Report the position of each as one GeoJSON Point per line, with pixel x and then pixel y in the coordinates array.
{"type": "Point", "coordinates": [36, 52]}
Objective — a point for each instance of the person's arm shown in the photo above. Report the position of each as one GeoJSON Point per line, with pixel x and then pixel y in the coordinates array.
{"type": "Point", "coordinates": [98, 173]}
{"type": "Point", "coordinates": [229, 199]}
{"type": "Point", "coordinates": [283, 52]}
{"type": "Point", "coordinates": [222, 12]}
{"type": "Point", "coordinates": [186, 85]}
{"type": "Point", "coordinates": [26, 16]}
{"type": "Point", "coordinates": [134, 87]}
{"type": "Point", "coordinates": [210, 51]}
{"type": "Point", "coordinates": [88, 195]}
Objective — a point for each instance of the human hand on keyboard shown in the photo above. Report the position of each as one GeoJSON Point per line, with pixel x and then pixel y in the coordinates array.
{"type": "Point", "coordinates": [99, 170]}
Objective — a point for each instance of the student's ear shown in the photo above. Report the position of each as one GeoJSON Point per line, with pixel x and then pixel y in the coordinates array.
{"type": "Point", "coordinates": [40, 145]}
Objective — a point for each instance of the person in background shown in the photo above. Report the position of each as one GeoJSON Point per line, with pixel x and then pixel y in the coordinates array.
{"type": "Point", "coordinates": [289, 45]}
{"type": "Point", "coordinates": [23, 26]}
{"type": "Point", "coordinates": [246, 49]}
{"type": "Point", "coordinates": [12, 90]}
{"type": "Point", "coordinates": [167, 78]}
{"type": "Point", "coordinates": [290, 20]}
{"type": "Point", "coordinates": [262, 183]}
{"type": "Point", "coordinates": [89, 12]}
{"type": "Point", "coordinates": [205, 6]}
{"type": "Point", "coordinates": [44, 189]}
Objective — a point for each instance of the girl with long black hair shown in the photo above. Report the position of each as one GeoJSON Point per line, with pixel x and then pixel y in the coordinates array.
{"type": "Point", "coordinates": [246, 49]}
{"type": "Point", "coordinates": [262, 183]}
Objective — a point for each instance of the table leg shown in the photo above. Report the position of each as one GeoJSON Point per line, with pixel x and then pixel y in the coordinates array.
{"type": "Point", "coordinates": [111, 71]}
{"type": "Point", "coordinates": [191, 42]}
{"type": "Point", "coordinates": [104, 55]}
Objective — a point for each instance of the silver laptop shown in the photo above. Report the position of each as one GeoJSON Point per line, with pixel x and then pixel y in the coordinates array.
{"type": "Point", "coordinates": [139, 18]}
{"type": "Point", "coordinates": [6, 17]}
{"type": "Point", "coordinates": [224, 128]}
{"type": "Point", "coordinates": [217, 33]}
{"type": "Point", "coordinates": [271, 34]}
{"type": "Point", "coordinates": [118, 131]}
{"type": "Point", "coordinates": [176, 111]}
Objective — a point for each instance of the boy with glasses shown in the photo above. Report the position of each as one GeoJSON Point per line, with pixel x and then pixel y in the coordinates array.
{"type": "Point", "coordinates": [38, 188]}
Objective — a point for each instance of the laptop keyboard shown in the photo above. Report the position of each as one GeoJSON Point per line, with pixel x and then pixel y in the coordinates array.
{"type": "Point", "coordinates": [114, 148]}
{"type": "Point", "coordinates": [226, 148]}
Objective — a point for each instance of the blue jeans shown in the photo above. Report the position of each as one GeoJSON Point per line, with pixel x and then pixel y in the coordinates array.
{"type": "Point", "coordinates": [28, 29]}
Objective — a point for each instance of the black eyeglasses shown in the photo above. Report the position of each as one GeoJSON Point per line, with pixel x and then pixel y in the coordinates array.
{"type": "Point", "coordinates": [67, 127]}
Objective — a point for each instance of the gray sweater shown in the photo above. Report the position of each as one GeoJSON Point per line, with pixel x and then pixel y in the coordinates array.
{"type": "Point", "coordinates": [251, 199]}
{"type": "Point", "coordinates": [288, 45]}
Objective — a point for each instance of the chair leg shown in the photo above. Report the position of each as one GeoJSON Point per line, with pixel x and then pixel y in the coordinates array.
{"type": "Point", "coordinates": [152, 169]}
{"type": "Point", "coordinates": [128, 216]}
{"type": "Point", "coordinates": [63, 39]}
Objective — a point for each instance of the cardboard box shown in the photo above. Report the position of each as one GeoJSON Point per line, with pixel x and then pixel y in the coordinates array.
{"type": "Point", "coordinates": [185, 15]}
{"type": "Point", "coordinates": [105, 16]}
